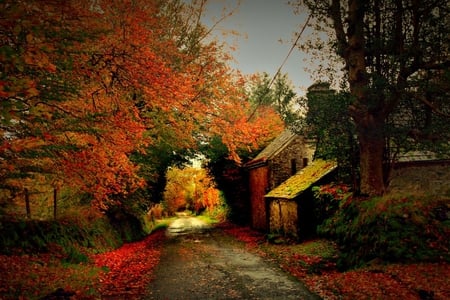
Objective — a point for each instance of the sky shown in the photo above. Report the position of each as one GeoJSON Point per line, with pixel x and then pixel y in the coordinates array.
{"type": "Point", "coordinates": [262, 24]}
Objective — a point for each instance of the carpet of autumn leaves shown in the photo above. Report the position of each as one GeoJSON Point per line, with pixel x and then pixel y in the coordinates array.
{"type": "Point", "coordinates": [125, 271]}
{"type": "Point", "coordinates": [130, 267]}
{"type": "Point", "coordinates": [376, 281]}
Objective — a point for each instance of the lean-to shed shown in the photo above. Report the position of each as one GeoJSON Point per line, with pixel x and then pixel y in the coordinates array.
{"type": "Point", "coordinates": [291, 207]}
{"type": "Point", "coordinates": [281, 159]}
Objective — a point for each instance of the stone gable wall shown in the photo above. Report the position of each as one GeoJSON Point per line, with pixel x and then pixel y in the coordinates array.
{"type": "Point", "coordinates": [281, 164]}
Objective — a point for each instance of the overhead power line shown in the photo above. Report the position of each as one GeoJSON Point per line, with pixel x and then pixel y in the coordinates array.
{"type": "Point", "coordinates": [282, 65]}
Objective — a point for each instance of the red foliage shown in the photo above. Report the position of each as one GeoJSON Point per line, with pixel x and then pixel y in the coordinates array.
{"type": "Point", "coordinates": [84, 86]}
{"type": "Point", "coordinates": [337, 191]}
{"type": "Point", "coordinates": [124, 272]}
{"type": "Point", "coordinates": [244, 234]}
{"type": "Point", "coordinates": [130, 267]}
{"type": "Point", "coordinates": [34, 276]}
{"type": "Point", "coordinates": [395, 281]}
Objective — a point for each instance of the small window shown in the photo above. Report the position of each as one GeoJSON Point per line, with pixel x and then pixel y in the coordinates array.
{"type": "Point", "coordinates": [293, 166]}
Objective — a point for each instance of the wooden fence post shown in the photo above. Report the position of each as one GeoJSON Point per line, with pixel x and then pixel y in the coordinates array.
{"type": "Point", "coordinates": [55, 197]}
{"type": "Point", "coordinates": [27, 203]}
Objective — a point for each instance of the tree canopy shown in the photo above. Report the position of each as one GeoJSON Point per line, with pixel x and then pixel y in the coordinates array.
{"type": "Point", "coordinates": [276, 92]}
{"type": "Point", "coordinates": [328, 123]}
{"type": "Point", "coordinates": [396, 56]}
{"type": "Point", "coordinates": [90, 93]}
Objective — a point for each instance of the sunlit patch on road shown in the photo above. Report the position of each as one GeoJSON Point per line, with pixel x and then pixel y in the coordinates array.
{"type": "Point", "coordinates": [187, 225]}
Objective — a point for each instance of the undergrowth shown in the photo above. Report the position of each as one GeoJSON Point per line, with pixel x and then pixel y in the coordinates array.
{"type": "Point", "coordinates": [72, 234]}
{"type": "Point", "coordinates": [391, 229]}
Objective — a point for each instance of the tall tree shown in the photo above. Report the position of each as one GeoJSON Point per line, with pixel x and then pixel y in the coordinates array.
{"type": "Point", "coordinates": [328, 123]}
{"type": "Point", "coordinates": [277, 93]}
{"type": "Point", "coordinates": [85, 85]}
{"type": "Point", "coordinates": [39, 46]}
{"type": "Point", "coordinates": [396, 56]}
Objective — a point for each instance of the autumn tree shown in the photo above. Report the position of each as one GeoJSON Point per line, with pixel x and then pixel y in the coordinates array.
{"type": "Point", "coordinates": [93, 93]}
{"type": "Point", "coordinates": [70, 100]}
{"type": "Point", "coordinates": [211, 108]}
{"type": "Point", "coordinates": [38, 50]}
{"type": "Point", "coordinates": [218, 110]}
{"type": "Point", "coordinates": [396, 62]}
{"type": "Point", "coordinates": [190, 188]}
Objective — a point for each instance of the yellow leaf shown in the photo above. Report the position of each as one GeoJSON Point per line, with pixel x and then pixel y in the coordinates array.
{"type": "Point", "coordinates": [29, 38]}
{"type": "Point", "coordinates": [32, 92]}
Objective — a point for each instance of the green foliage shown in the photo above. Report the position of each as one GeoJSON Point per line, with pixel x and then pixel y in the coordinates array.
{"type": "Point", "coordinates": [74, 256]}
{"type": "Point", "coordinates": [319, 247]}
{"type": "Point", "coordinates": [219, 212]}
{"type": "Point", "coordinates": [215, 150]}
{"type": "Point", "coordinates": [393, 229]}
{"type": "Point", "coordinates": [328, 199]}
{"type": "Point", "coordinates": [162, 223]}
{"type": "Point", "coordinates": [328, 123]}
{"type": "Point", "coordinates": [92, 233]}
{"type": "Point", "coordinates": [277, 93]}
{"type": "Point", "coordinates": [128, 226]}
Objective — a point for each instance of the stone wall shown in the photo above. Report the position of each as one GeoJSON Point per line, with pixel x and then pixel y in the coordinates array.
{"type": "Point", "coordinates": [298, 153]}
{"type": "Point", "coordinates": [416, 178]}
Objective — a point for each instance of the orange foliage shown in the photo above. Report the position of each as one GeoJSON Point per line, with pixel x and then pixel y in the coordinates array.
{"type": "Point", "coordinates": [190, 188]}
{"type": "Point", "coordinates": [210, 198]}
{"type": "Point", "coordinates": [82, 84]}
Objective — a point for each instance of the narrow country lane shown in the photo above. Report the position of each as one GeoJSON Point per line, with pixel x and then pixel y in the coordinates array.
{"type": "Point", "coordinates": [199, 262]}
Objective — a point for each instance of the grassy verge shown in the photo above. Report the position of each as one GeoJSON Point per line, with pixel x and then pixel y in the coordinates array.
{"type": "Point", "coordinates": [39, 257]}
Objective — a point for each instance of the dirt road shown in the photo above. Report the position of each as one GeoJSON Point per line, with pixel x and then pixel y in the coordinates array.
{"type": "Point", "coordinates": [205, 263]}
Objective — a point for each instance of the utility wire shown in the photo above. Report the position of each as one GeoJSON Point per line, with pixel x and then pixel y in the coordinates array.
{"type": "Point", "coordinates": [280, 67]}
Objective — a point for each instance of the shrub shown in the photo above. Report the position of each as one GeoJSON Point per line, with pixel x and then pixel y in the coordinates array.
{"type": "Point", "coordinates": [328, 198]}
{"type": "Point", "coordinates": [150, 219]}
{"type": "Point", "coordinates": [81, 229]}
{"type": "Point", "coordinates": [400, 229]}
{"type": "Point", "coordinates": [75, 256]}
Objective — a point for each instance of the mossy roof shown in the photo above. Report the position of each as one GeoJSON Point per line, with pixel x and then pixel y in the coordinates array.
{"type": "Point", "coordinates": [303, 179]}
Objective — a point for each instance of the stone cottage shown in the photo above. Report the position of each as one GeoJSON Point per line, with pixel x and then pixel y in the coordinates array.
{"type": "Point", "coordinates": [284, 157]}
{"type": "Point", "coordinates": [290, 205]}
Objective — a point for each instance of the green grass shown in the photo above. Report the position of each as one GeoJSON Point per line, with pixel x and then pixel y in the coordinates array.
{"type": "Point", "coordinates": [208, 219]}
{"type": "Point", "coordinates": [319, 247]}
{"type": "Point", "coordinates": [163, 223]}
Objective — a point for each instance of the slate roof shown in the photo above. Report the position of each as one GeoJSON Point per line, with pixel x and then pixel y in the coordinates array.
{"type": "Point", "coordinates": [424, 156]}
{"type": "Point", "coordinates": [303, 179]}
{"type": "Point", "coordinates": [277, 145]}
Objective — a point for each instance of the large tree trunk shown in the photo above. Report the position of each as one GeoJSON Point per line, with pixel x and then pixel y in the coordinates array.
{"type": "Point", "coordinates": [368, 118]}
{"type": "Point", "coordinates": [371, 147]}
